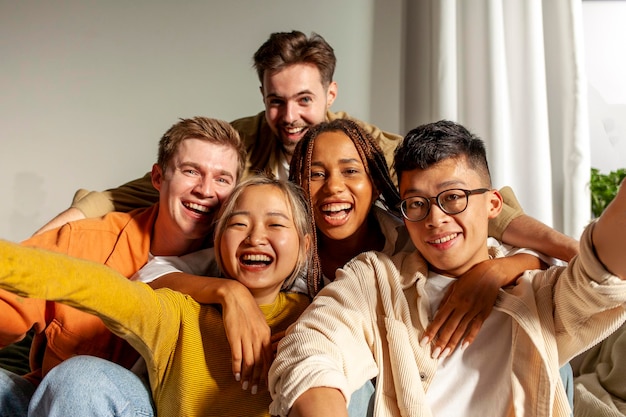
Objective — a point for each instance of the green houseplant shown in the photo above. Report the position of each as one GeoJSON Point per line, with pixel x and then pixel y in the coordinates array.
{"type": "Point", "coordinates": [603, 188]}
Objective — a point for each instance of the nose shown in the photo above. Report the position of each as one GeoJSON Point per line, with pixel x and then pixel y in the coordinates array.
{"type": "Point", "coordinates": [290, 113]}
{"type": "Point", "coordinates": [436, 217]}
{"type": "Point", "coordinates": [257, 236]}
{"type": "Point", "coordinates": [205, 187]}
{"type": "Point", "coordinates": [334, 183]}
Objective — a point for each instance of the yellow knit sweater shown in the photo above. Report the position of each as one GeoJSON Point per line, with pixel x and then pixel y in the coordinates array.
{"type": "Point", "coordinates": [183, 342]}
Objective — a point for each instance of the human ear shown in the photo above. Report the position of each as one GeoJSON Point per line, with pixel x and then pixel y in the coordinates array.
{"type": "Point", "coordinates": [157, 176]}
{"type": "Point", "coordinates": [495, 203]}
{"type": "Point", "coordinates": [331, 94]}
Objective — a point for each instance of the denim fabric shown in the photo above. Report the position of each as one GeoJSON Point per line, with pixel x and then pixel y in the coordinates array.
{"type": "Point", "coordinates": [362, 401]}
{"type": "Point", "coordinates": [567, 375]}
{"type": "Point", "coordinates": [90, 386]}
{"type": "Point", "coordinates": [15, 394]}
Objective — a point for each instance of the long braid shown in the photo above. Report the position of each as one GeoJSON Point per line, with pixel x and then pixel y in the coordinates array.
{"type": "Point", "coordinates": [315, 277]}
{"type": "Point", "coordinates": [300, 173]}
{"type": "Point", "coordinates": [375, 166]}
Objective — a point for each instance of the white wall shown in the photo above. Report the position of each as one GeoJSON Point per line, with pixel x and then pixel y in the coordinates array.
{"type": "Point", "coordinates": [88, 87]}
{"type": "Point", "coordinates": [605, 51]}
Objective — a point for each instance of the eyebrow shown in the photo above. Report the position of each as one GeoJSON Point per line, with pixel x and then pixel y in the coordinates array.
{"type": "Point", "coordinates": [278, 214]}
{"type": "Point", "coordinates": [341, 161]}
{"type": "Point", "coordinates": [268, 214]}
{"type": "Point", "coordinates": [443, 185]}
{"type": "Point", "coordinates": [299, 93]}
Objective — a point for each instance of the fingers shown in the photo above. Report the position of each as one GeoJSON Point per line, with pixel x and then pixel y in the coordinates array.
{"type": "Point", "coordinates": [473, 329]}
{"type": "Point", "coordinates": [434, 328]}
{"type": "Point", "coordinates": [237, 356]}
{"type": "Point", "coordinates": [441, 317]}
{"type": "Point", "coordinates": [249, 338]}
{"type": "Point", "coordinates": [450, 331]}
{"type": "Point", "coordinates": [255, 361]}
{"type": "Point", "coordinates": [260, 368]}
{"type": "Point", "coordinates": [457, 330]}
{"type": "Point", "coordinates": [464, 308]}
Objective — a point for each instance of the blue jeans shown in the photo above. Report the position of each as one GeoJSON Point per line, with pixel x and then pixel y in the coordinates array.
{"type": "Point", "coordinates": [567, 375]}
{"type": "Point", "coordinates": [90, 386]}
{"type": "Point", "coordinates": [362, 401]}
{"type": "Point", "coordinates": [15, 394]}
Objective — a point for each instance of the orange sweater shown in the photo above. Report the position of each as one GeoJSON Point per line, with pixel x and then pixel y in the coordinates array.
{"type": "Point", "coordinates": [120, 241]}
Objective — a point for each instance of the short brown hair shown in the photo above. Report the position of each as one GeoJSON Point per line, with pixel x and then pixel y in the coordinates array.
{"type": "Point", "coordinates": [215, 131]}
{"type": "Point", "coordinates": [283, 49]}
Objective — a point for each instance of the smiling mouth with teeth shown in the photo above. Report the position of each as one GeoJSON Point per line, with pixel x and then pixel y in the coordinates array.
{"type": "Point", "coordinates": [197, 208]}
{"type": "Point", "coordinates": [335, 209]}
{"type": "Point", "coordinates": [294, 130]}
{"type": "Point", "coordinates": [253, 259]}
{"type": "Point", "coordinates": [444, 239]}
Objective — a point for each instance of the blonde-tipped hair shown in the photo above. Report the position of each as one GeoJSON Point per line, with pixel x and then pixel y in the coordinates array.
{"type": "Point", "coordinates": [301, 214]}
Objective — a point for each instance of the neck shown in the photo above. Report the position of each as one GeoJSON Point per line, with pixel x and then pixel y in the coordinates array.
{"type": "Point", "coordinates": [458, 271]}
{"type": "Point", "coordinates": [170, 244]}
{"type": "Point", "coordinates": [265, 296]}
{"type": "Point", "coordinates": [336, 253]}
{"type": "Point", "coordinates": [288, 152]}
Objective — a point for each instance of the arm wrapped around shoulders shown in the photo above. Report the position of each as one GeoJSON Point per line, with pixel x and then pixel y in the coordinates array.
{"type": "Point", "coordinates": [135, 194]}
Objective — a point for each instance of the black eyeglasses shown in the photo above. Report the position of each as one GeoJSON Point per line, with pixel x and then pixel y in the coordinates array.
{"type": "Point", "coordinates": [452, 201]}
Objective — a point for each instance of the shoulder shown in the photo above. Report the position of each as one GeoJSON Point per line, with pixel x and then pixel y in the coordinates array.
{"type": "Point", "coordinates": [138, 221]}
{"type": "Point", "coordinates": [397, 238]}
{"type": "Point", "coordinates": [250, 127]}
{"type": "Point", "coordinates": [112, 223]}
{"type": "Point", "coordinates": [295, 298]}
{"type": "Point", "coordinates": [97, 239]}
{"type": "Point", "coordinates": [287, 307]}
{"type": "Point", "coordinates": [247, 121]}
{"type": "Point", "coordinates": [380, 136]}
{"type": "Point", "coordinates": [381, 266]}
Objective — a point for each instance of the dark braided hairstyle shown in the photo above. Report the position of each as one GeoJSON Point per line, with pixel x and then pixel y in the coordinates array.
{"type": "Point", "coordinates": [375, 166]}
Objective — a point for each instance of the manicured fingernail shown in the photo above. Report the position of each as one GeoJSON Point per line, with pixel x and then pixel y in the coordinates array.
{"type": "Point", "coordinates": [237, 377]}
{"type": "Point", "coordinates": [436, 352]}
{"type": "Point", "coordinates": [244, 386]}
{"type": "Point", "coordinates": [464, 345]}
{"type": "Point", "coordinates": [254, 389]}
{"type": "Point", "coordinates": [424, 341]}
{"type": "Point", "coordinates": [445, 353]}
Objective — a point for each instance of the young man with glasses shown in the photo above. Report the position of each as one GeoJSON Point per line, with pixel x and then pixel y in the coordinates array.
{"type": "Point", "coordinates": [369, 323]}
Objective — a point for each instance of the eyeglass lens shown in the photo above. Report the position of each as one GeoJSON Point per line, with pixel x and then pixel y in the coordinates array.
{"type": "Point", "coordinates": [450, 201]}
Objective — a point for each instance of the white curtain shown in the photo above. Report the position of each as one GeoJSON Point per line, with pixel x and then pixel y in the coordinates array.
{"type": "Point", "coordinates": [512, 71]}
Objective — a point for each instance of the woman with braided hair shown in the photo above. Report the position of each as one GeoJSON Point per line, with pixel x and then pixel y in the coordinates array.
{"type": "Point", "coordinates": [343, 173]}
